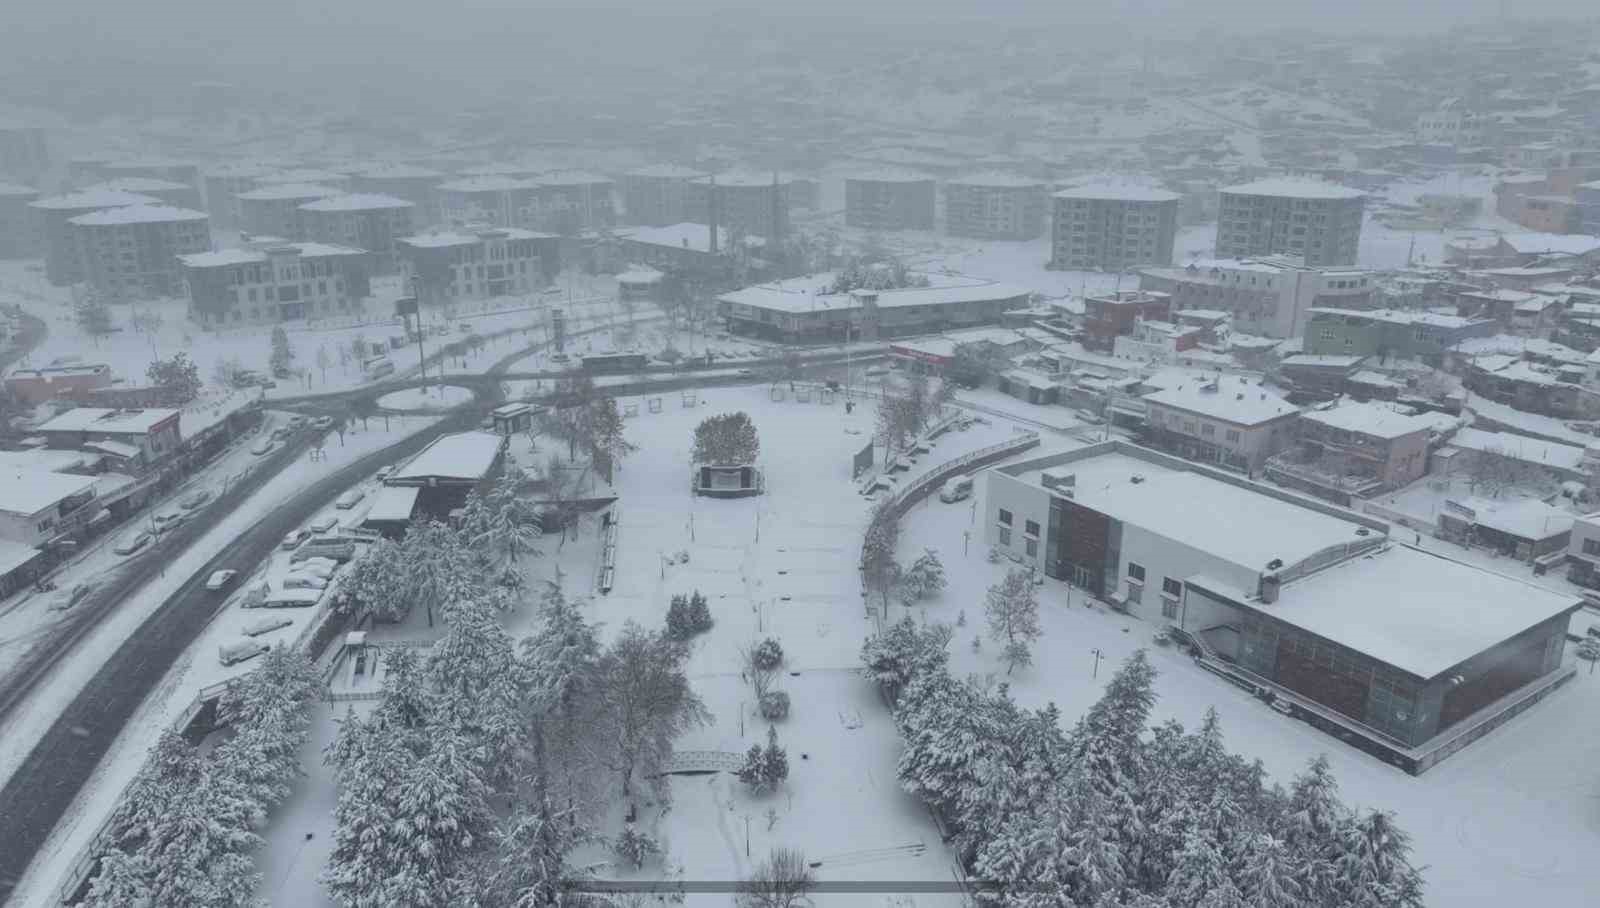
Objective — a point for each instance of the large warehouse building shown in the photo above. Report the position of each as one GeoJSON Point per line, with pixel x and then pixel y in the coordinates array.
{"type": "Point", "coordinates": [1404, 653]}
{"type": "Point", "coordinates": [803, 310]}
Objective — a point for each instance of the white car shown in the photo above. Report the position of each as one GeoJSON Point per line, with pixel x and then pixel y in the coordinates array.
{"type": "Point", "coordinates": [323, 524]}
{"type": "Point", "coordinates": [195, 499]}
{"type": "Point", "coordinates": [350, 499]}
{"type": "Point", "coordinates": [166, 520]}
{"type": "Point", "coordinates": [132, 544]}
{"type": "Point", "coordinates": [293, 539]}
{"type": "Point", "coordinates": [262, 447]}
{"type": "Point", "coordinates": [877, 370]}
{"type": "Point", "coordinates": [220, 579]}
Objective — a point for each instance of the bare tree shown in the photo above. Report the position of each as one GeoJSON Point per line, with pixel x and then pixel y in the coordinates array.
{"type": "Point", "coordinates": [781, 881]}
{"type": "Point", "coordinates": [1013, 610]}
{"type": "Point", "coordinates": [760, 672]}
{"type": "Point", "coordinates": [645, 703]}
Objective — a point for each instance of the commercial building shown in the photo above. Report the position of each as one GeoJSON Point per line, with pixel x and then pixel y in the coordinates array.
{"type": "Point", "coordinates": [994, 206]}
{"type": "Point", "coordinates": [53, 217]}
{"type": "Point", "coordinates": [802, 310]}
{"type": "Point", "coordinates": [1222, 419]}
{"type": "Point", "coordinates": [19, 230]}
{"type": "Point", "coordinates": [1353, 451]}
{"type": "Point", "coordinates": [167, 192]}
{"type": "Point", "coordinates": [890, 200]}
{"type": "Point", "coordinates": [362, 220]}
{"type": "Point", "coordinates": [1270, 296]}
{"type": "Point", "coordinates": [274, 209]}
{"type": "Point", "coordinates": [135, 439]}
{"type": "Point", "coordinates": [32, 387]}
{"type": "Point", "coordinates": [271, 283]}
{"type": "Point", "coordinates": [1403, 653]}
{"type": "Point", "coordinates": [446, 266]}
{"type": "Point", "coordinates": [37, 506]}
{"type": "Point", "coordinates": [1109, 316]}
{"type": "Point", "coordinates": [1526, 529]}
{"type": "Point", "coordinates": [750, 204]}
{"type": "Point", "coordinates": [449, 469]}
{"type": "Point", "coordinates": [1320, 222]}
{"type": "Point", "coordinates": [417, 185]}
{"type": "Point", "coordinates": [657, 196]}
{"type": "Point", "coordinates": [1390, 333]}
{"type": "Point", "coordinates": [1112, 227]}
{"type": "Point", "coordinates": [132, 253]}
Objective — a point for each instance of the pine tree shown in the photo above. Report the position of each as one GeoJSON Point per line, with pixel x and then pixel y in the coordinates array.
{"type": "Point", "coordinates": [1373, 869]}
{"type": "Point", "coordinates": [775, 761]}
{"type": "Point", "coordinates": [1199, 873]}
{"type": "Point", "coordinates": [1312, 819]}
{"type": "Point", "coordinates": [680, 624]}
{"type": "Point", "coordinates": [903, 651]}
{"type": "Point", "coordinates": [1013, 610]}
{"type": "Point", "coordinates": [699, 612]}
{"type": "Point", "coordinates": [282, 354]}
{"type": "Point", "coordinates": [94, 316]}
{"type": "Point", "coordinates": [925, 578]}
{"type": "Point", "coordinates": [1267, 877]}
{"type": "Point", "coordinates": [634, 846]}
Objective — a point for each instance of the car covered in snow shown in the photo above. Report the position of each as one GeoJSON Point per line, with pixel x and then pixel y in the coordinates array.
{"type": "Point", "coordinates": [295, 537]}
{"type": "Point", "coordinates": [166, 520]}
{"type": "Point", "coordinates": [220, 579]}
{"type": "Point", "coordinates": [194, 499]}
{"type": "Point", "coordinates": [262, 447]}
{"type": "Point", "coordinates": [132, 544]}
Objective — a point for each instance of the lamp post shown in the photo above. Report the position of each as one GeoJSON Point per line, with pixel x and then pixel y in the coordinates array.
{"type": "Point", "coordinates": [1097, 657]}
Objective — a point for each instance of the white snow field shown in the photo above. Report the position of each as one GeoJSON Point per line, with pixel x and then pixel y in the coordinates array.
{"type": "Point", "coordinates": [436, 397]}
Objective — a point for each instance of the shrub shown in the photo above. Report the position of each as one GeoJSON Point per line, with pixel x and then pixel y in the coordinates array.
{"type": "Point", "coordinates": [699, 613]}
{"type": "Point", "coordinates": [634, 846]}
{"type": "Point", "coordinates": [769, 655]}
{"type": "Point", "coordinates": [775, 705]}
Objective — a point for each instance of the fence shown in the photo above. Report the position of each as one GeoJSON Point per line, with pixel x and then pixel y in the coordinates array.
{"type": "Point", "coordinates": [608, 552]}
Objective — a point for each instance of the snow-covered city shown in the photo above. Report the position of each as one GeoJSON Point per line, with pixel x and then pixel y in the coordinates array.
{"type": "Point", "coordinates": [779, 458]}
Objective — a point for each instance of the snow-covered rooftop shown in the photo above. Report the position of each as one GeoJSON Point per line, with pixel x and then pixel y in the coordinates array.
{"type": "Point", "coordinates": [571, 178]}
{"type": "Point", "coordinates": [94, 199]}
{"type": "Point", "coordinates": [1401, 317]}
{"type": "Point", "coordinates": [1558, 243]}
{"type": "Point", "coordinates": [302, 175]}
{"type": "Point", "coordinates": [463, 456]}
{"type": "Point", "coordinates": [225, 257]}
{"type": "Point", "coordinates": [138, 214]}
{"type": "Point", "coordinates": [1520, 447]}
{"type": "Point", "coordinates": [1126, 192]}
{"type": "Point", "coordinates": [1369, 419]}
{"type": "Point", "coordinates": [14, 555]}
{"type": "Point", "coordinates": [1417, 611]}
{"type": "Point", "coordinates": [398, 172]}
{"type": "Point", "coordinates": [807, 294]}
{"type": "Point", "coordinates": [443, 238]}
{"type": "Point", "coordinates": [356, 201]}
{"type": "Point", "coordinates": [289, 191]}
{"type": "Point", "coordinates": [1225, 397]}
{"type": "Point", "coordinates": [666, 172]}
{"type": "Point", "coordinates": [393, 504]}
{"type": "Point", "coordinates": [137, 184]}
{"type": "Point", "coordinates": [1528, 518]}
{"type": "Point", "coordinates": [1296, 188]}
{"type": "Point", "coordinates": [1331, 360]}
{"type": "Point", "coordinates": [696, 237]}
{"type": "Point", "coordinates": [744, 178]}
{"type": "Point", "coordinates": [27, 492]}
{"type": "Point", "coordinates": [55, 461]}
{"type": "Point", "coordinates": [487, 183]}
{"type": "Point", "coordinates": [640, 276]}
{"type": "Point", "coordinates": [102, 419]}
{"type": "Point", "coordinates": [887, 175]}
{"type": "Point", "coordinates": [996, 180]}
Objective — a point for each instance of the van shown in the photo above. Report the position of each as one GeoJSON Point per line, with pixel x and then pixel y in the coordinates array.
{"type": "Point", "coordinates": [957, 489]}
{"type": "Point", "coordinates": [233, 653]}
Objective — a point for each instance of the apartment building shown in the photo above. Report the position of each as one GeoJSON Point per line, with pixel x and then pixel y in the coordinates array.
{"type": "Point", "coordinates": [890, 200]}
{"type": "Point", "coordinates": [274, 209]}
{"type": "Point", "coordinates": [995, 206]}
{"type": "Point", "coordinates": [1270, 296]}
{"type": "Point", "coordinates": [361, 220]}
{"type": "Point", "coordinates": [1390, 333]}
{"type": "Point", "coordinates": [1451, 123]}
{"type": "Point", "coordinates": [53, 219]}
{"type": "Point", "coordinates": [688, 249]}
{"type": "Point", "coordinates": [1394, 649]}
{"type": "Point", "coordinates": [1318, 221]}
{"type": "Point", "coordinates": [1109, 316]}
{"type": "Point", "coordinates": [574, 201]}
{"type": "Point", "coordinates": [1223, 419]}
{"type": "Point", "coordinates": [1112, 227]}
{"type": "Point", "coordinates": [168, 192]}
{"type": "Point", "coordinates": [1353, 451]}
{"type": "Point", "coordinates": [657, 196]}
{"type": "Point", "coordinates": [417, 185]}
{"type": "Point", "coordinates": [271, 283]}
{"type": "Point", "coordinates": [494, 199]}
{"type": "Point", "coordinates": [452, 265]}
{"type": "Point", "coordinates": [132, 252]}
{"type": "Point", "coordinates": [19, 231]}
{"type": "Point", "coordinates": [223, 184]}
{"type": "Point", "coordinates": [1587, 197]}
{"type": "Point", "coordinates": [751, 204]}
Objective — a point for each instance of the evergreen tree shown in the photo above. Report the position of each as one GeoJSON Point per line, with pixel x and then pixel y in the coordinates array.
{"type": "Point", "coordinates": [179, 376]}
{"type": "Point", "coordinates": [728, 439]}
{"type": "Point", "coordinates": [94, 316]}
{"type": "Point", "coordinates": [1013, 610]}
{"type": "Point", "coordinates": [1312, 819]}
{"type": "Point", "coordinates": [282, 354]}
{"type": "Point", "coordinates": [634, 846]}
{"type": "Point", "coordinates": [766, 768]}
{"type": "Point", "coordinates": [699, 612]}
{"type": "Point", "coordinates": [1267, 877]}
{"type": "Point", "coordinates": [903, 651]}
{"type": "Point", "coordinates": [925, 578]}
{"type": "Point", "coordinates": [1199, 873]}
{"type": "Point", "coordinates": [1373, 869]}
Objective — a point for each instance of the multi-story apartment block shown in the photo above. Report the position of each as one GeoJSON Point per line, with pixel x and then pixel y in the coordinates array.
{"type": "Point", "coordinates": [1389, 333]}
{"type": "Point", "coordinates": [571, 201]}
{"type": "Point", "coordinates": [1320, 222]}
{"type": "Point", "coordinates": [362, 220]}
{"type": "Point", "coordinates": [267, 284]}
{"type": "Point", "coordinates": [448, 266]}
{"type": "Point", "coordinates": [19, 231]}
{"type": "Point", "coordinates": [223, 185]}
{"type": "Point", "coordinates": [132, 252]}
{"type": "Point", "coordinates": [994, 206]}
{"type": "Point", "coordinates": [1451, 123]}
{"type": "Point", "coordinates": [1225, 420]}
{"type": "Point", "coordinates": [1269, 296]}
{"type": "Point", "coordinates": [167, 169]}
{"type": "Point", "coordinates": [750, 204]}
{"type": "Point", "coordinates": [497, 200]}
{"type": "Point", "coordinates": [1110, 227]}
{"type": "Point", "coordinates": [53, 217]}
{"type": "Point", "coordinates": [1353, 451]}
{"type": "Point", "coordinates": [301, 175]}
{"type": "Point", "coordinates": [1109, 316]}
{"type": "Point", "coordinates": [657, 196]}
{"type": "Point", "coordinates": [417, 185]}
{"type": "Point", "coordinates": [169, 192]}
{"type": "Point", "coordinates": [1587, 195]}
{"type": "Point", "coordinates": [274, 209]}
{"type": "Point", "coordinates": [890, 200]}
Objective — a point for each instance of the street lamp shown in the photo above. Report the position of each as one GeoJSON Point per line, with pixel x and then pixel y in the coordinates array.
{"type": "Point", "coordinates": [1097, 657]}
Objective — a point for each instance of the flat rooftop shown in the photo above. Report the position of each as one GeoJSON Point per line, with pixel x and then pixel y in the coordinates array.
{"type": "Point", "coordinates": [102, 419]}
{"type": "Point", "coordinates": [288, 191]}
{"type": "Point", "coordinates": [1188, 507]}
{"type": "Point", "coordinates": [464, 455]}
{"type": "Point", "coordinates": [29, 491]}
{"type": "Point", "coordinates": [445, 238]}
{"type": "Point", "coordinates": [94, 199]}
{"type": "Point", "coordinates": [1295, 188]}
{"type": "Point", "coordinates": [1369, 419]}
{"type": "Point", "coordinates": [1121, 192]}
{"type": "Point", "coordinates": [138, 214]}
{"type": "Point", "coordinates": [1225, 397]}
{"type": "Point", "coordinates": [1417, 611]}
{"type": "Point", "coordinates": [356, 201]}
{"type": "Point", "coordinates": [808, 294]}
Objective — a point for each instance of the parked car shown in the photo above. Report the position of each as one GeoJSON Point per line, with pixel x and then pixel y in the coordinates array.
{"type": "Point", "coordinates": [238, 652]}
{"type": "Point", "coordinates": [877, 370]}
{"type": "Point", "coordinates": [220, 579]}
{"type": "Point", "coordinates": [383, 473]}
{"type": "Point", "coordinates": [262, 447]}
{"type": "Point", "coordinates": [294, 580]}
{"type": "Point", "coordinates": [323, 524]}
{"type": "Point", "coordinates": [195, 499]}
{"type": "Point", "coordinates": [267, 625]}
{"type": "Point", "coordinates": [559, 357]}
{"type": "Point", "coordinates": [295, 537]}
{"type": "Point", "coordinates": [68, 599]}
{"type": "Point", "coordinates": [280, 433]}
{"type": "Point", "coordinates": [349, 499]}
{"type": "Point", "coordinates": [336, 549]}
{"type": "Point", "coordinates": [166, 520]}
{"type": "Point", "coordinates": [956, 489]}
{"type": "Point", "coordinates": [132, 544]}
{"type": "Point", "coordinates": [323, 423]}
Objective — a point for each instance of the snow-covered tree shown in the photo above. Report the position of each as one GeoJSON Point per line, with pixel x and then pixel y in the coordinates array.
{"type": "Point", "coordinates": [606, 431]}
{"type": "Point", "coordinates": [765, 768]}
{"type": "Point", "coordinates": [644, 703]}
{"type": "Point", "coordinates": [1373, 868]}
{"type": "Point", "coordinates": [635, 847]}
{"type": "Point", "coordinates": [1267, 876]}
{"type": "Point", "coordinates": [781, 881]}
{"type": "Point", "coordinates": [179, 376]}
{"type": "Point", "coordinates": [902, 652]}
{"type": "Point", "coordinates": [378, 582]}
{"type": "Point", "coordinates": [282, 354]}
{"type": "Point", "coordinates": [502, 522]}
{"type": "Point", "coordinates": [1012, 607]}
{"type": "Point", "coordinates": [728, 439]}
{"type": "Point", "coordinates": [924, 579]}
{"type": "Point", "coordinates": [93, 316]}
{"type": "Point", "coordinates": [879, 569]}
{"type": "Point", "coordinates": [1199, 873]}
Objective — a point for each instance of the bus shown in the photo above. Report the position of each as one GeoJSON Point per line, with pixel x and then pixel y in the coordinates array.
{"type": "Point", "coordinates": [614, 363]}
{"type": "Point", "coordinates": [377, 367]}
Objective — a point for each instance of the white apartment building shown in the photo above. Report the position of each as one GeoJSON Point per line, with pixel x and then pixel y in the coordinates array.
{"type": "Point", "coordinates": [452, 265]}
{"type": "Point", "coordinates": [268, 284]}
{"type": "Point", "coordinates": [1225, 419]}
{"type": "Point", "coordinates": [1112, 227]}
{"type": "Point", "coordinates": [1451, 123]}
{"type": "Point", "coordinates": [1270, 296]}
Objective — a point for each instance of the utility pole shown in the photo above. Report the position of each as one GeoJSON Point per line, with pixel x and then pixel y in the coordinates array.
{"type": "Point", "coordinates": [1097, 657]}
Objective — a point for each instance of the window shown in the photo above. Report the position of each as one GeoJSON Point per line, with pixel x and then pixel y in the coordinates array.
{"type": "Point", "coordinates": [1135, 592]}
{"type": "Point", "coordinates": [1232, 435]}
{"type": "Point", "coordinates": [1208, 430]}
{"type": "Point", "coordinates": [1005, 517]}
{"type": "Point", "coordinates": [1136, 571]}
{"type": "Point", "coordinates": [1032, 545]}
{"type": "Point", "coordinates": [1170, 587]}
{"type": "Point", "coordinates": [1169, 609]}
{"type": "Point", "coordinates": [1031, 528]}
{"type": "Point", "coordinates": [1005, 535]}
{"type": "Point", "coordinates": [1591, 546]}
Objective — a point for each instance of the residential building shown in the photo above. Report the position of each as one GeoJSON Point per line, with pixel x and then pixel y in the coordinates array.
{"type": "Point", "coordinates": [1534, 387]}
{"type": "Point", "coordinates": [167, 169]}
{"type": "Point", "coordinates": [995, 206]}
{"type": "Point", "coordinates": [1515, 250]}
{"type": "Point", "coordinates": [1587, 197]}
{"type": "Point", "coordinates": [417, 185]}
{"type": "Point", "coordinates": [132, 253]}
{"type": "Point", "coordinates": [1269, 296]}
{"type": "Point", "coordinates": [573, 201]}
{"type": "Point", "coordinates": [802, 310]}
{"type": "Point", "coordinates": [32, 387]}
{"type": "Point", "coordinates": [496, 200]}
{"type": "Point", "coordinates": [19, 231]}
{"type": "Point", "coordinates": [933, 354]}
{"type": "Point", "coordinates": [747, 204]}
{"type": "Point", "coordinates": [657, 196]}
{"type": "Point", "coordinates": [1469, 447]}
{"type": "Point", "coordinates": [362, 220]}
{"type": "Point", "coordinates": [1159, 342]}
{"type": "Point", "coordinates": [1318, 376]}
{"type": "Point", "coordinates": [53, 217]}
{"type": "Point", "coordinates": [136, 439]}
{"type": "Point", "coordinates": [446, 266]}
{"type": "Point", "coordinates": [167, 192]}
{"type": "Point", "coordinates": [1543, 212]}
{"type": "Point", "coordinates": [268, 283]}
{"type": "Point", "coordinates": [1390, 333]}
{"type": "Point", "coordinates": [223, 186]}
{"type": "Point", "coordinates": [1526, 529]}
{"type": "Point", "coordinates": [274, 209]}
{"type": "Point", "coordinates": [1112, 227]}
{"type": "Point", "coordinates": [1583, 551]}
{"type": "Point", "coordinates": [1111, 315]}
{"type": "Point", "coordinates": [687, 248]}
{"type": "Point", "coordinates": [890, 200]}
{"type": "Point", "coordinates": [1527, 314]}
{"type": "Point", "coordinates": [1451, 123]}
{"type": "Point", "coordinates": [1314, 604]}
{"type": "Point", "coordinates": [1222, 419]}
{"type": "Point", "coordinates": [1318, 221]}
{"type": "Point", "coordinates": [1353, 451]}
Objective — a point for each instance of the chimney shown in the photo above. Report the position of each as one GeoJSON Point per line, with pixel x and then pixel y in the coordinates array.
{"type": "Point", "coordinates": [1270, 585]}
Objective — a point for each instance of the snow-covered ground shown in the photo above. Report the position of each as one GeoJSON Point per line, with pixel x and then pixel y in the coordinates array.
{"type": "Point", "coordinates": [438, 397]}
{"type": "Point", "coordinates": [198, 668]}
